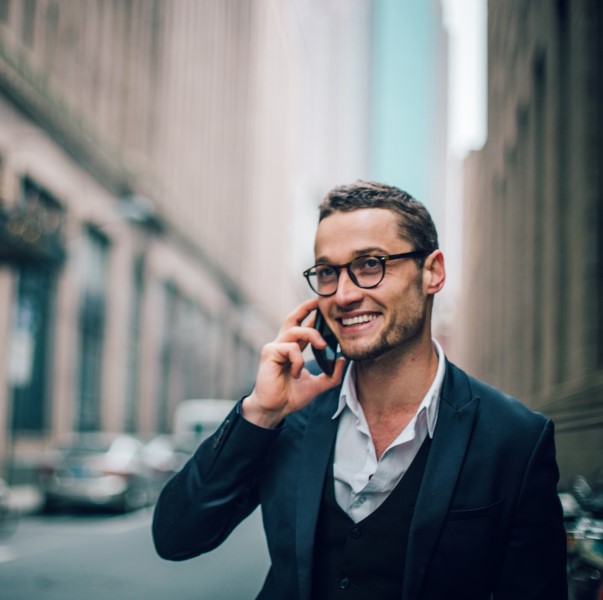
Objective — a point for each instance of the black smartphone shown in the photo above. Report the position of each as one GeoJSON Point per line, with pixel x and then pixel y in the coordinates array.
{"type": "Point", "coordinates": [326, 357]}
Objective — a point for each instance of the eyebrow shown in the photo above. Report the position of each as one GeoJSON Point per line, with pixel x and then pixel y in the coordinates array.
{"type": "Point", "coordinates": [376, 250]}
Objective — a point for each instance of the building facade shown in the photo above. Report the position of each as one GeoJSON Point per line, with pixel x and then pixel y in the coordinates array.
{"type": "Point", "coordinates": [533, 236]}
{"type": "Point", "coordinates": [149, 173]}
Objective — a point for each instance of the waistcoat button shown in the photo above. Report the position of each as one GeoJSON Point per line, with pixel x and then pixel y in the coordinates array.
{"type": "Point", "coordinates": [344, 583]}
{"type": "Point", "coordinates": [355, 533]}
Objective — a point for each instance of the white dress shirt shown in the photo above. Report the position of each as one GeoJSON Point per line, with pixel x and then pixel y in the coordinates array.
{"type": "Point", "coordinates": [362, 482]}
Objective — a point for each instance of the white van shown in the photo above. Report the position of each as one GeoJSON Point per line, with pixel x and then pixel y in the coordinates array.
{"type": "Point", "coordinates": [196, 420]}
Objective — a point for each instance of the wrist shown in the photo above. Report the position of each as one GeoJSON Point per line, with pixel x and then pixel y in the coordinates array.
{"type": "Point", "coordinates": [253, 412]}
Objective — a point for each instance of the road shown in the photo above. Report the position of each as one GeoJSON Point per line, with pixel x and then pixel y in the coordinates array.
{"type": "Point", "coordinates": [95, 557]}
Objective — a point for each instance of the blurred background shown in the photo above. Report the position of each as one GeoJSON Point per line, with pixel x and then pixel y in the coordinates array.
{"type": "Point", "coordinates": [161, 164]}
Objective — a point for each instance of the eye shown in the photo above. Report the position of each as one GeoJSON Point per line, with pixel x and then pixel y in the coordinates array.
{"type": "Point", "coordinates": [325, 273]}
{"type": "Point", "coordinates": [367, 265]}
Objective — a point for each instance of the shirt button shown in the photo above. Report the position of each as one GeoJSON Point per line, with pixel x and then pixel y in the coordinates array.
{"type": "Point", "coordinates": [361, 500]}
{"type": "Point", "coordinates": [355, 533]}
{"type": "Point", "coordinates": [344, 583]}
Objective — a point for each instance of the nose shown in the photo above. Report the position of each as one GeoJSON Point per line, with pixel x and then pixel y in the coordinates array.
{"type": "Point", "coordinates": [347, 291]}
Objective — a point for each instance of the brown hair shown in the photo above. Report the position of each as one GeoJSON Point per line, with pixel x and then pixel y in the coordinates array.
{"type": "Point", "coordinates": [415, 223]}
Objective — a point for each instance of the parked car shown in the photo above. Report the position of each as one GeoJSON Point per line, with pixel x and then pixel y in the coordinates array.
{"type": "Point", "coordinates": [9, 515]}
{"type": "Point", "coordinates": [164, 456]}
{"type": "Point", "coordinates": [196, 420]}
{"type": "Point", "coordinates": [96, 469]}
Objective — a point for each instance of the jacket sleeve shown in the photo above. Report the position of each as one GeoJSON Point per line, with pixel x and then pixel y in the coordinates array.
{"type": "Point", "coordinates": [534, 565]}
{"type": "Point", "coordinates": [215, 490]}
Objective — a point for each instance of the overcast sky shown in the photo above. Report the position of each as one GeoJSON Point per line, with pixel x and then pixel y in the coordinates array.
{"type": "Point", "coordinates": [466, 24]}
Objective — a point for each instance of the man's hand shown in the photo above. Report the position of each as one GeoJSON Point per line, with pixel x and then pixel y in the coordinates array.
{"type": "Point", "coordinates": [283, 385]}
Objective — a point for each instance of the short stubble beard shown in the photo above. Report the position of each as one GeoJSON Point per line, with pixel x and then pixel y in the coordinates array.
{"type": "Point", "coordinates": [407, 331]}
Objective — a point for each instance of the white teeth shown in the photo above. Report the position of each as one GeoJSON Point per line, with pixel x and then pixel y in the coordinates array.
{"type": "Point", "coordinates": [358, 319]}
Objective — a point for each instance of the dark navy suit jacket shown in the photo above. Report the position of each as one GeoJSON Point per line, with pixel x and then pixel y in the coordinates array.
{"type": "Point", "coordinates": [487, 523]}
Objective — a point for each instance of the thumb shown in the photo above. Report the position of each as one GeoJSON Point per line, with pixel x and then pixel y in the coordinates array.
{"type": "Point", "coordinates": [325, 382]}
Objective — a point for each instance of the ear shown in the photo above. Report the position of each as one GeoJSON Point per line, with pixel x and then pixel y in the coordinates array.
{"type": "Point", "coordinates": [434, 273]}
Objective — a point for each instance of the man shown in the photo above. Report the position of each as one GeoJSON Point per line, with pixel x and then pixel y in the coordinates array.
{"type": "Point", "coordinates": [399, 476]}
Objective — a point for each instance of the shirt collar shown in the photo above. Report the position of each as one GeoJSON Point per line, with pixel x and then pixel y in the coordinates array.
{"type": "Point", "coordinates": [430, 402]}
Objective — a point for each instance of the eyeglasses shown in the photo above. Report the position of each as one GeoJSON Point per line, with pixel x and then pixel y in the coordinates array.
{"type": "Point", "coordinates": [365, 271]}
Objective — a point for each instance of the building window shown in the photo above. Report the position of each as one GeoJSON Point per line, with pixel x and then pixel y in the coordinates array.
{"type": "Point", "coordinates": [167, 357]}
{"type": "Point", "coordinates": [30, 362]}
{"type": "Point", "coordinates": [188, 354]}
{"type": "Point", "coordinates": [93, 276]}
{"type": "Point", "coordinates": [133, 371]}
{"type": "Point", "coordinates": [4, 10]}
{"type": "Point", "coordinates": [34, 226]}
{"type": "Point", "coordinates": [51, 35]}
{"type": "Point", "coordinates": [28, 23]}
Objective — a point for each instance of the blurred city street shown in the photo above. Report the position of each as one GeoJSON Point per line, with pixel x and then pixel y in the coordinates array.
{"type": "Point", "coordinates": [95, 556]}
{"type": "Point", "coordinates": [162, 165]}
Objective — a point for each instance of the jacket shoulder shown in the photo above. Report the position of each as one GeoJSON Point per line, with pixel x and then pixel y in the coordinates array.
{"type": "Point", "coordinates": [496, 402]}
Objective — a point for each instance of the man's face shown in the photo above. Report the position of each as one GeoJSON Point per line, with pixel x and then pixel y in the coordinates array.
{"type": "Point", "coordinates": [370, 323]}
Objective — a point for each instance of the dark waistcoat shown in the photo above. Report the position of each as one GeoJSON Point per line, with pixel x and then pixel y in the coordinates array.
{"type": "Point", "coordinates": [365, 560]}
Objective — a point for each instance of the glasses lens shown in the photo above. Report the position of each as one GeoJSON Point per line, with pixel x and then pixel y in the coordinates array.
{"type": "Point", "coordinates": [367, 270]}
{"type": "Point", "coordinates": [323, 279]}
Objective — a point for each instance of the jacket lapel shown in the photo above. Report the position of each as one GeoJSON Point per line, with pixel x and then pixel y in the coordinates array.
{"type": "Point", "coordinates": [456, 416]}
{"type": "Point", "coordinates": [314, 460]}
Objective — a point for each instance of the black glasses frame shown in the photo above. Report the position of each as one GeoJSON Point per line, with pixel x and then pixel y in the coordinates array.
{"type": "Point", "coordinates": [382, 259]}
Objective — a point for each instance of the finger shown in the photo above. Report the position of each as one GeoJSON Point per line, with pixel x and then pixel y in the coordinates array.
{"type": "Point", "coordinates": [339, 370]}
{"type": "Point", "coordinates": [298, 316]}
{"type": "Point", "coordinates": [326, 382]}
{"type": "Point", "coordinates": [287, 356]}
{"type": "Point", "coordinates": [303, 336]}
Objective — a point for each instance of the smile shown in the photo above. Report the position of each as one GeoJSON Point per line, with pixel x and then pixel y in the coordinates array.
{"type": "Point", "coordinates": [358, 319]}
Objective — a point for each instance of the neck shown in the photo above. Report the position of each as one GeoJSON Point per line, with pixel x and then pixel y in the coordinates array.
{"type": "Point", "coordinates": [399, 380]}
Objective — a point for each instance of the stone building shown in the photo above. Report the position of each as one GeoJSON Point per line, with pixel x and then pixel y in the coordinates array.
{"type": "Point", "coordinates": [533, 237]}
{"type": "Point", "coordinates": [149, 151]}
